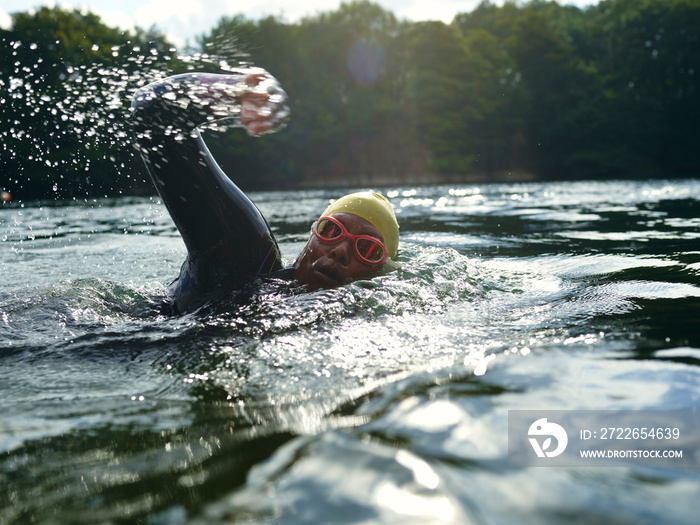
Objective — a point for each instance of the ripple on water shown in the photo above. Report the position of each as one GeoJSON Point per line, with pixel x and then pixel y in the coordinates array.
{"type": "Point", "coordinates": [383, 400]}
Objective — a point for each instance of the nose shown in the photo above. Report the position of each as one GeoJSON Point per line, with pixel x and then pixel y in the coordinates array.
{"type": "Point", "coordinates": [341, 251]}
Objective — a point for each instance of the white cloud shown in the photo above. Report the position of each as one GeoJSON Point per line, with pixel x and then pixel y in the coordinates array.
{"type": "Point", "coordinates": [116, 19]}
{"type": "Point", "coordinates": [159, 11]}
{"type": "Point", "coordinates": [178, 19]}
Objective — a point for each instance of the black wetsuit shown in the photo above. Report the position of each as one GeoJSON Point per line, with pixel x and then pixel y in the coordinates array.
{"type": "Point", "coordinates": [228, 240]}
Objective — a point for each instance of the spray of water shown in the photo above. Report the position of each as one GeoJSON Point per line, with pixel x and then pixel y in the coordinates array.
{"type": "Point", "coordinates": [68, 132]}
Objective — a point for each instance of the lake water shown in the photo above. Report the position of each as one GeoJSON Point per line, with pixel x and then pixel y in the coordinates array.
{"type": "Point", "coordinates": [383, 401]}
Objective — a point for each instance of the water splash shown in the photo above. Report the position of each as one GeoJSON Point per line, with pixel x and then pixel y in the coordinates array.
{"type": "Point", "coordinates": [69, 132]}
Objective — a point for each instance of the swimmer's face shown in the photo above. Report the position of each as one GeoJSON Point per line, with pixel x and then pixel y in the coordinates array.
{"type": "Point", "coordinates": [326, 265]}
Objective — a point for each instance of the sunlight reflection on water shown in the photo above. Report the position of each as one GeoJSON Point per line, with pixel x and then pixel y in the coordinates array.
{"type": "Point", "coordinates": [384, 400]}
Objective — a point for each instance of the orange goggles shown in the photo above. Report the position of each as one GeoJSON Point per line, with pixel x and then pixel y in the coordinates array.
{"type": "Point", "coordinates": [368, 249]}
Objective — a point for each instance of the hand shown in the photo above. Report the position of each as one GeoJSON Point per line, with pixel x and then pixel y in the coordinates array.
{"type": "Point", "coordinates": [262, 99]}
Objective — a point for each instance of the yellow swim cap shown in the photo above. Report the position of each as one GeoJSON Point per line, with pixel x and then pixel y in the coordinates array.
{"type": "Point", "coordinates": [374, 208]}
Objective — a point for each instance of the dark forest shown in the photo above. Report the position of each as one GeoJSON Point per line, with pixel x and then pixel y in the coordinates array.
{"type": "Point", "coordinates": [523, 91]}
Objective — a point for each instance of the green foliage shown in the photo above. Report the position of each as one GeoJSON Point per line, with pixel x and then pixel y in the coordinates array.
{"type": "Point", "coordinates": [649, 62]}
{"type": "Point", "coordinates": [560, 92]}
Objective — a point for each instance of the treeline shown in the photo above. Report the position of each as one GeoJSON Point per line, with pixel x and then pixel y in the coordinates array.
{"type": "Point", "coordinates": [520, 90]}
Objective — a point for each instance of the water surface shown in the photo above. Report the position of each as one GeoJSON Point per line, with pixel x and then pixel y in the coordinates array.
{"type": "Point", "coordinates": [384, 401]}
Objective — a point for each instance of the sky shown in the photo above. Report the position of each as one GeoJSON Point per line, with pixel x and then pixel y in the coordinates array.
{"type": "Point", "coordinates": [182, 21]}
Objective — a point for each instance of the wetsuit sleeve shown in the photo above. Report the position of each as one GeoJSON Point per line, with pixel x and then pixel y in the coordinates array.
{"type": "Point", "coordinates": [227, 238]}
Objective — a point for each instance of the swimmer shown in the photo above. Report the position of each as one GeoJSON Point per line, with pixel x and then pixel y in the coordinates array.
{"type": "Point", "coordinates": [228, 240]}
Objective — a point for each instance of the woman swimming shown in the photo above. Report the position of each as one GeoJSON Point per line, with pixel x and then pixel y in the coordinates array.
{"type": "Point", "coordinates": [228, 240]}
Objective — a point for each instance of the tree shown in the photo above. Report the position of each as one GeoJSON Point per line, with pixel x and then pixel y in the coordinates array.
{"type": "Point", "coordinates": [348, 61]}
{"type": "Point", "coordinates": [338, 71]}
{"type": "Point", "coordinates": [439, 95]}
{"type": "Point", "coordinates": [607, 91]}
{"type": "Point", "coordinates": [649, 58]}
{"type": "Point", "coordinates": [495, 132]}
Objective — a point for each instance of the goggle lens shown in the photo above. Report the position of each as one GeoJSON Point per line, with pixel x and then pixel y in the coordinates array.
{"type": "Point", "coordinates": [369, 250]}
{"type": "Point", "coordinates": [328, 230]}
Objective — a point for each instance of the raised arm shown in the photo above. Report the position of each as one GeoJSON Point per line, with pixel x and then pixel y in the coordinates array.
{"type": "Point", "coordinates": [226, 236]}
